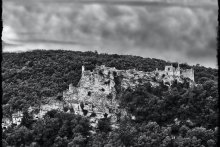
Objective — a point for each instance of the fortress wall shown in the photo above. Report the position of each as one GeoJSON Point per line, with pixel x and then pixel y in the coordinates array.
{"type": "Point", "coordinates": [94, 87]}
{"type": "Point", "coordinates": [188, 73]}
{"type": "Point", "coordinates": [177, 72]}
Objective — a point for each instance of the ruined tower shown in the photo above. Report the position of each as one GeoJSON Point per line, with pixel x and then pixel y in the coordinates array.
{"type": "Point", "coordinates": [169, 70]}
{"type": "Point", "coordinates": [177, 71]}
{"type": "Point", "coordinates": [188, 73]}
{"type": "Point", "coordinates": [83, 68]}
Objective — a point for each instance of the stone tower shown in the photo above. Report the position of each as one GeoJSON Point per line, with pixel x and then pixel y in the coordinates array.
{"type": "Point", "coordinates": [169, 70]}
{"type": "Point", "coordinates": [71, 87]}
{"type": "Point", "coordinates": [188, 73]}
{"type": "Point", "coordinates": [83, 68]}
{"type": "Point", "coordinates": [177, 71]}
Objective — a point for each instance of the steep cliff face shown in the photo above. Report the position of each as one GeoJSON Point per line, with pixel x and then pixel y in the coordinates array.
{"type": "Point", "coordinates": [98, 88]}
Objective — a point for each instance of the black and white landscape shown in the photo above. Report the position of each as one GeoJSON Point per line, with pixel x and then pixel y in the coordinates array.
{"type": "Point", "coordinates": [110, 73]}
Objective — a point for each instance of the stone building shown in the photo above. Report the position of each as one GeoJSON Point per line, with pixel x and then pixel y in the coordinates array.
{"type": "Point", "coordinates": [6, 122]}
{"type": "Point", "coordinates": [188, 73]}
{"type": "Point", "coordinates": [17, 117]}
{"type": "Point", "coordinates": [96, 89]}
{"type": "Point", "coordinates": [176, 72]}
{"type": "Point", "coordinates": [14, 120]}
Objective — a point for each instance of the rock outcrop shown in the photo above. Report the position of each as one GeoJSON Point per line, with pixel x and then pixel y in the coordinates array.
{"type": "Point", "coordinates": [96, 92]}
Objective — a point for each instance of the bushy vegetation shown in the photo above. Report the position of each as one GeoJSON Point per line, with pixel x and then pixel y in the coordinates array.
{"type": "Point", "coordinates": [198, 104]}
{"type": "Point", "coordinates": [57, 129]}
{"type": "Point", "coordinates": [180, 117]}
{"type": "Point", "coordinates": [27, 77]}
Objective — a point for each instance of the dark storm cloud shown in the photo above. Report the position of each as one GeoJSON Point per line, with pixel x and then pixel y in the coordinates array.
{"type": "Point", "coordinates": [176, 32]}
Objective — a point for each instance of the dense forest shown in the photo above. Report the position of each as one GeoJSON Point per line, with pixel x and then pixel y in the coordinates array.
{"type": "Point", "coordinates": [179, 117]}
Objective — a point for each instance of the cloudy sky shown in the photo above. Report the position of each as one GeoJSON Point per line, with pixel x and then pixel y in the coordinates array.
{"type": "Point", "coordinates": [179, 30]}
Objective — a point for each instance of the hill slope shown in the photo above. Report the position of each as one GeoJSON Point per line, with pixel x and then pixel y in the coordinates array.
{"type": "Point", "coordinates": [181, 116]}
{"type": "Point", "coordinates": [30, 75]}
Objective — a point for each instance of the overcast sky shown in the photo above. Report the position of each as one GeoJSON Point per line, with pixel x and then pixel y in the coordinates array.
{"type": "Point", "coordinates": [174, 33]}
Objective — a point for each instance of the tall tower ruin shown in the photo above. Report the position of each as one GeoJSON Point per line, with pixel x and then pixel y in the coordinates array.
{"type": "Point", "coordinates": [188, 73]}
{"type": "Point", "coordinates": [83, 68]}
{"type": "Point", "coordinates": [169, 70]}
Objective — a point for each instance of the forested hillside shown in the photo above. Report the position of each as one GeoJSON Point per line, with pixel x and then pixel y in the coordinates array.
{"type": "Point", "coordinates": [179, 117]}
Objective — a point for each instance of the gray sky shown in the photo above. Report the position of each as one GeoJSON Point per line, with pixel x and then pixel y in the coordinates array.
{"type": "Point", "coordinates": [181, 32]}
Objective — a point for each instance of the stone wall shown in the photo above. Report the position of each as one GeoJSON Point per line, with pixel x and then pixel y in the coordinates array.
{"type": "Point", "coordinates": [6, 122]}
{"type": "Point", "coordinates": [96, 89]}
{"type": "Point", "coordinates": [176, 72]}
{"type": "Point", "coordinates": [188, 73]}
{"type": "Point", "coordinates": [17, 117]}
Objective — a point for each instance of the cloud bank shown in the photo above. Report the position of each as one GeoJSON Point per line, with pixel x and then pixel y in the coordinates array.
{"type": "Point", "coordinates": [170, 33]}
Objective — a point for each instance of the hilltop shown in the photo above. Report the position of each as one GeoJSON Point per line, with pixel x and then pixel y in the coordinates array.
{"type": "Point", "coordinates": [31, 76]}
{"type": "Point", "coordinates": [141, 92]}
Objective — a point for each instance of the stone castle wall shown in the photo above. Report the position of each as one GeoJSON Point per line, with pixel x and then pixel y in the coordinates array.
{"type": "Point", "coordinates": [96, 89]}
{"type": "Point", "coordinates": [188, 73]}
{"type": "Point", "coordinates": [94, 86]}
{"type": "Point", "coordinates": [177, 72]}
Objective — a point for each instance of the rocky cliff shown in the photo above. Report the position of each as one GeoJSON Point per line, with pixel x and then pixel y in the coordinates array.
{"type": "Point", "coordinates": [97, 91]}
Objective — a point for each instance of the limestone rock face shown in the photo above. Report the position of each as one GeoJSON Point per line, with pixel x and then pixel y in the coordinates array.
{"type": "Point", "coordinates": [97, 88]}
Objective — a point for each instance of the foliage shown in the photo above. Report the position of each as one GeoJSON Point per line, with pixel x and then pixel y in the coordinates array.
{"type": "Point", "coordinates": [104, 125]}
{"type": "Point", "coordinates": [179, 116]}
{"type": "Point", "coordinates": [56, 129]}
{"type": "Point", "coordinates": [29, 76]}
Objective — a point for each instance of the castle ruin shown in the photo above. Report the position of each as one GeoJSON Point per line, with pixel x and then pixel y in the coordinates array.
{"type": "Point", "coordinates": [96, 89]}
{"type": "Point", "coordinates": [177, 72]}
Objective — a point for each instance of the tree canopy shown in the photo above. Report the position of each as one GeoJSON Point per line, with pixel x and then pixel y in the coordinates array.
{"type": "Point", "coordinates": [157, 116]}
